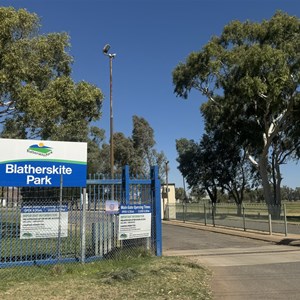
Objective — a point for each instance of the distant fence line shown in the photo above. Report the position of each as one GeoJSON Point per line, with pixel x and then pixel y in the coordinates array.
{"type": "Point", "coordinates": [248, 216]}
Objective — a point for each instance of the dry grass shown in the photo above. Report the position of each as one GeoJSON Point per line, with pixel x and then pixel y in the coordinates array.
{"type": "Point", "coordinates": [130, 278]}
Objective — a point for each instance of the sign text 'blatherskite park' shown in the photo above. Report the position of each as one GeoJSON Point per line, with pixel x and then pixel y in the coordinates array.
{"type": "Point", "coordinates": [42, 163]}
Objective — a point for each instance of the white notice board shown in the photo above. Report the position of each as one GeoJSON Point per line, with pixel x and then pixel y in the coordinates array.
{"type": "Point", "coordinates": [134, 222]}
{"type": "Point", "coordinates": [40, 222]}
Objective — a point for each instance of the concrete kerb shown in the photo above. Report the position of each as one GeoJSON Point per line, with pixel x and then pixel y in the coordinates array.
{"type": "Point", "coordinates": [291, 239]}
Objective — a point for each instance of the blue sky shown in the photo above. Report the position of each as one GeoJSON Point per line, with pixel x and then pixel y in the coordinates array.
{"type": "Point", "coordinates": [150, 38]}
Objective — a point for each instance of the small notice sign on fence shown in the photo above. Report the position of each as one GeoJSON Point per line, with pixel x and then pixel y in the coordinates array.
{"type": "Point", "coordinates": [38, 222]}
{"type": "Point", "coordinates": [134, 222]}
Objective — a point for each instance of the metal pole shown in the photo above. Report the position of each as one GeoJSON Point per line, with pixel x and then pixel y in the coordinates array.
{"type": "Point", "coordinates": [185, 197]}
{"type": "Point", "coordinates": [111, 57]}
{"type": "Point", "coordinates": [205, 215]}
{"type": "Point", "coordinates": [285, 221]}
{"type": "Point", "coordinates": [244, 218]}
{"type": "Point", "coordinates": [167, 184]}
{"type": "Point", "coordinates": [155, 186]}
{"type": "Point", "coordinates": [213, 214]}
{"type": "Point", "coordinates": [184, 202]}
{"type": "Point", "coordinates": [83, 224]}
{"type": "Point", "coordinates": [270, 224]}
{"type": "Point", "coordinates": [111, 126]}
{"type": "Point", "coordinates": [59, 217]}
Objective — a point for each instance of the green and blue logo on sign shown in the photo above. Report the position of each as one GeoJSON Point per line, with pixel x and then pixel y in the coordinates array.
{"type": "Point", "coordinates": [27, 163]}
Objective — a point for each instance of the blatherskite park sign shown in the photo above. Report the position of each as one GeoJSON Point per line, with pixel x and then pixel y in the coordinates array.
{"type": "Point", "coordinates": [32, 163]}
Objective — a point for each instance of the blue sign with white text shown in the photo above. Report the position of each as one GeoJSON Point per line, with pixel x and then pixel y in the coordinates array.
{"type": "Point", "coordinates": [135, 209]}
{"type": "Point", "coordinates": [42, 209]}
{"type": "Point", "coordinates": [26, 163]}
{"type": "Point", "coordinates": [42, 173]}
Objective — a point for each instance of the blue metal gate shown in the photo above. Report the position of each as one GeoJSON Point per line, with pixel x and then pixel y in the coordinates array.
{"type": "Point", "coordinates": [85, 231]}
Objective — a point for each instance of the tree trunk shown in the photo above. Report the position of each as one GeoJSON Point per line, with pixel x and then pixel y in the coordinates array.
{"type": "Point", "coordinates": [263, 171]}
{"type": "Point", "coordinates": [238, 201]}
{"type": "Point", "coordinates": [277, 203]}
{"type": "Point", "coordinates": [239, 210]}
{"type": "Point", "coordinates": [213, 197]}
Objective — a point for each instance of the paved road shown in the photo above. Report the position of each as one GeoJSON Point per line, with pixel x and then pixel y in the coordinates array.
{"type": "Point", "coordinates": [243, 268]}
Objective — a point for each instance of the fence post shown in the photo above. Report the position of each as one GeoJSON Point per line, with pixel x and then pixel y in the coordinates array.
{"type": "Point", "coordinates": [270, 224]}
{"type": "Point", "coordinates": [285, 221]}
{"type": "Point", "coordinates": [155, 187]}
{"type": "Point", "coordinates": [205, 215]}
{"type": "Point", "coordinates": [213, 214]}
{"type": "Point", "coordinates": [59, 217]}
{"type": "Point", "coordinates": [244, 218]}
{"type": "Point", "coordinates": [125, 185]}
{"type": "Point", "coordinates": [83, 225]}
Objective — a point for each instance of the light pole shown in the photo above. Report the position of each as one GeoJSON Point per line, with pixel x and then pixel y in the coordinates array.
{"type": "Point", "coordinates": [185, 197]}
{"type": "Point", "coordinates": [167, 190]}
{"type": "Point", "coordinates": [111, 57]}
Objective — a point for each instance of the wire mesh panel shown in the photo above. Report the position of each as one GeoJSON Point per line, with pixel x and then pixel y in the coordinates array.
{"type": "Point", "coordinates": [229, 215]}
{"type": "Point", "coordinates": [257, 217]}
{"type": "Point", "coordinates": [282, 219]}
{"type": "Point", "coordinates": [291, 216]}
{"type": "Point", "coordinates": [57, 225]}
{"type": "Point", "coordinates": [36, 227]}
{"type": "Point", "coordinates": [101, 226]}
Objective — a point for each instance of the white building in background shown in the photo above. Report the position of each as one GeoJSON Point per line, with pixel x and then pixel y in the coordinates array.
{"type": "Point", "coordinates": [168, 211]}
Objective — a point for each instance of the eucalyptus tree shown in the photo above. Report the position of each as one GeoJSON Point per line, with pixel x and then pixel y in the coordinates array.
{"type": "Point", "coordinates": [137, 151]}
{"type": "Point", "coordinates": [197, 166]}
{"type": "Point", "coordinates": [144, 146]}
{"type": "Point", "coordinates": [215, 164]}
{"type": "Point", "coordinates": [250, 75]}
{"type": "Point", "coordinates": [37, 94]}
{"type": "Point", "coordinates": [180, 194]}
{"type": "Point", "coordinates": [124, 152]}
{"type": "Point", "coordinates": [98, 152]}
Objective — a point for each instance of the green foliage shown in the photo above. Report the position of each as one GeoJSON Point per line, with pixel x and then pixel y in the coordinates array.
{"type": "Point", "coordinates": [180, 194]}
{"type": "Point", "coordinates": [124, 150]}
{"type": "Point", "coordinates": [97, 160]}
{"type": "Point", "coordinates": [197, 167]}
{"type": "Point", "coordinates": [250, 75]}
{"type": "Point", "coordinates": [143, 143]}
{"type": "Point", "coordinates": [136, 151]}
{"type": "Point", "coordinates": [37, 95]}
{"type": "Point", "coordinates": [215, 164]}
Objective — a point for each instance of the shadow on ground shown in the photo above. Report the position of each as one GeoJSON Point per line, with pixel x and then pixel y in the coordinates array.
{"type": "Point", "coordinates": [289, 242]}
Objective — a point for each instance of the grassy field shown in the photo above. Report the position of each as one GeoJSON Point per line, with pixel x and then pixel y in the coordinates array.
{"type": "Point", "coordinates": [141, 277]}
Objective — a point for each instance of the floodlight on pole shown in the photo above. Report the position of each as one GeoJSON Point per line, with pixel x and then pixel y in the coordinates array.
{"type": "Point", "coordinates": [111, 57]}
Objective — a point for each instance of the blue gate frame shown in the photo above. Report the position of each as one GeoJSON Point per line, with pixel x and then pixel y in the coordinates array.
{"type": "Point", "coordinates": [92, 235]}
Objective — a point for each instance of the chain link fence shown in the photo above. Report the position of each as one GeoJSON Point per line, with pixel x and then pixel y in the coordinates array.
{"type": "Point", "coordinates": [59, 225]}
{"type": "Point", "coordinates": [283, 219]}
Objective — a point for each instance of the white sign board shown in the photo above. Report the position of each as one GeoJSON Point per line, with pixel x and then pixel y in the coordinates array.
{"type": "Point", "coordinates": [134, 222]}
{"type": "Point", "coordinates": [31, 163]}
{"type": "Point", "coordinates": [40, 222]}
{"type": "Point", "coordinates": [111, 207]}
